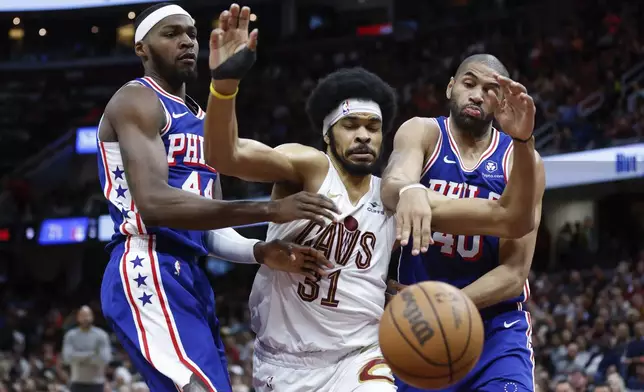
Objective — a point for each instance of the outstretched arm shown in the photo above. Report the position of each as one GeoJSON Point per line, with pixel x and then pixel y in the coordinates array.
{"type": "Point", "coordinates": [279, 255]}
{"type": "Point", "coordinates": [412, 144]}
{"type": "Point", "coordinates": [136, 116]}
{"type": "Point", "coordinates": [509, 217]}
{"type": "Point", "coordinates": [232, 51]}
{"type": "Point", "coordinates": [415, 205]}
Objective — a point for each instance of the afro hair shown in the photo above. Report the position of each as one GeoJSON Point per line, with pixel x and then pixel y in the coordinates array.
{"type": "Point", "coordinates": [347, 83]}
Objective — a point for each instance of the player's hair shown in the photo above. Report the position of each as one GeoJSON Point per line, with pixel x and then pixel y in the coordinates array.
{"type": "Point", "coordinates": [140, 17]}
{"type": "Point", "coordinates": [349, 83]}
{"type": "Point", "coordinates": [485, 59]}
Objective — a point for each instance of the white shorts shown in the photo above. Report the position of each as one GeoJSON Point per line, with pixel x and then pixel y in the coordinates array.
{"type": "Point", "coordinates": [360, 371]}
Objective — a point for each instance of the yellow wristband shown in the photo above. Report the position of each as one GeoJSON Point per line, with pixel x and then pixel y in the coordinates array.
{"type": "Point", "coordinates": [222, 96]}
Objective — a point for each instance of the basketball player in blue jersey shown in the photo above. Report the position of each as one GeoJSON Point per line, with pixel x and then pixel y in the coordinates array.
{"type": "Point", "coordinates": [161, 196]}
{"type": "Point", "coordinates": [464, 156]}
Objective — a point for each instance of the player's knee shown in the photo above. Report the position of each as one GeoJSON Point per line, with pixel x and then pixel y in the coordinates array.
{"type": "Point", "coordinates": [195, 385]}
{"type": "Point", "coordinates": [376, 386]}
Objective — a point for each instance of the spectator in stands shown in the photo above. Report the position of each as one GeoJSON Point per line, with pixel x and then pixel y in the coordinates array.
{"type": "Point", "coordinates": [602, 388]}
{"type": "Point", "coordinates": [616, 382]}
{"type": "Point", "coordinates": [563, 386]}
{"type": "Point", "coordinates": [87, 350]}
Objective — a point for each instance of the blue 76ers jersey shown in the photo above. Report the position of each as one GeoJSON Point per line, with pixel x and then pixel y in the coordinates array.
{"type": "Point", "coordinates": [182, 136]}
{"type": "Point", "coordinates": [460, 260]}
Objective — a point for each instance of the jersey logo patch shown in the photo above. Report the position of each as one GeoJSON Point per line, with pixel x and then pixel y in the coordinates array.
{"type": "Point", "coordinates": [374, 208]}
{"type": "Point", "coordinates": [491, 166]}
{"type": "Point", "coordinates": [179, 115]}
{"type": "Point", "coordinates": [447, 160]}
{"type": "Point", "coordinates": [508, 325]}
{"type": "Point", "coordinates": [177, 267]}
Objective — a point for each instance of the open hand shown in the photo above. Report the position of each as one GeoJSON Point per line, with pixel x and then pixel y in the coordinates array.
{"type": "Point", "coordinates": [414, 217]}
{"type": "Point", "coordinates": [515, 111]}
{"type": "Point", "coordinates": [231, 35]}
{"type": "Point", "coordinates": [288, 257]}
{"type": "Point", "coordinates": [303, 205]}
{"type": "Point", "coordinates": [393, 288]}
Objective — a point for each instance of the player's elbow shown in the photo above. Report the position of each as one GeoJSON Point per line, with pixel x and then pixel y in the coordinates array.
{"type": "Point", "coordinates": [518, 226]}
{"type": "Point", "coordinates": [151, 208]}
{"type": "Point", "coordinates": [222, 160]}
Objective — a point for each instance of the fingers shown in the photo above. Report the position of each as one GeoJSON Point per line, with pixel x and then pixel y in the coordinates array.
{"type": "Point", "coordinates": [406, 231]}
{"type": "Point", "coordinates": [320, 201]}
{"type": "Point", "coordinates": [528, 103]}
{"type": "Point", "coordinates": [252, 40]}
{"type": "Point", "coordinates": [507, 83]}
{"type": "Point", "coordinates": [416, 236]}
{"type": "Point", "coordinates": [244, 18]}
{"type": "Point", "coordinates": [216, 38]}
{"type": "Point", "coordinates": [400, 220]}
{"type": "Point", "coordinates": [311, 267]}
{"type": "Point", "coordinates": [309, 274]}
{"type": "Point", "coordinates": [394, 287]}
{"type": "Point", "coordinates": [426, 233]}
{"type": "Point", "coordinates": [234, 15]}
{"type": "Point", "coordinates": [313, 217]}
{"type": "Point", "coordinates": [317, 257]}
{"type": "Point", "coordinates": [224, 20]}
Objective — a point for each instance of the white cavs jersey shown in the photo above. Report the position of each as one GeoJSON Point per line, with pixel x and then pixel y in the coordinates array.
{"type": "Point", "coordinates": [340, 312]}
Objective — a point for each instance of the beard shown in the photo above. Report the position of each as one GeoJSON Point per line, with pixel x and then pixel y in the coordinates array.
{"type": "Point", "coordinates": [472, 125]}
{"type": "Point", "coordinates": [354, 169]}
{"type": "Point", "coordinates": [174, 75]}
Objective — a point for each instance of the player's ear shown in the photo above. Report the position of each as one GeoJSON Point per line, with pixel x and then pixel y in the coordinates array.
{"type": "Point", "coordinates": [327, 141]}
{"type": "Point", "coordinates": [139, 50]}
{"type": "Point", "coordinates": [448, 91]}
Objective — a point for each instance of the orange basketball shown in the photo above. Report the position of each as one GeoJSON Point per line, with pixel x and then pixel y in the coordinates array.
{"type": "Point", "coordinates": [431, 335]}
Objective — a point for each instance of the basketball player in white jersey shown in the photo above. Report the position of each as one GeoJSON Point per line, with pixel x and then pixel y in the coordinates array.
{"type": "Point", "coordinates": [322, 334]}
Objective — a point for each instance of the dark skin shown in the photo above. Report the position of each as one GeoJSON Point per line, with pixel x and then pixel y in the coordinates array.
{"type": "Point", "coordinates": [134, 117]}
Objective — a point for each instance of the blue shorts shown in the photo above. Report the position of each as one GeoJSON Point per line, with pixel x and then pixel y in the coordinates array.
{"type": "Point", "coordinates": [162, 309]}
{"type": "Point", "coordinates": [507, 361]}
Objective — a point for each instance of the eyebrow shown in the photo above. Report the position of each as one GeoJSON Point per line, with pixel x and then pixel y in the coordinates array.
{"type": "Point", "coordinates": [178, 26]}
{"type": "Point", "coordinates": [471, 75]}
{"type": "Point", "coordinates": [356, 118]}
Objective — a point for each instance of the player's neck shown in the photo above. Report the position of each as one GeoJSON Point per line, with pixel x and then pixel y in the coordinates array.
{"type": "Point", "coordinates": [469, 142]}
{"type": "Point", "coordinates": [356, 185]}
{"type": "Point", "coordinates": [178, 88]}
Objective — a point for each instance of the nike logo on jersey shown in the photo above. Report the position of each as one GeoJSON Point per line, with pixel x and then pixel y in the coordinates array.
{"type": "Point", "coordinates": [508, 325]}
{"type": "Point", "coordinates": [333, 195]}
{"type": "Point", "coordinates": [447, 160]}
{"type": "Point", "coordinates": [179, 115]}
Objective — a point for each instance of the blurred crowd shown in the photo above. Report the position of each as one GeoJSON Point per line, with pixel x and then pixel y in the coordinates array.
{"type": "Point", "coordinates": [588, 327]}
{"type": "Point", "coordinates": [575, 66]}
{"type": "Point", "coordinates": [582, 66]}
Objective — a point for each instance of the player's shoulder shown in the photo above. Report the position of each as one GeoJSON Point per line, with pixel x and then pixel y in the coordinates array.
{"type": "Point", "coordinates": [424, 128]}
{"type": "Point", "coordinates": [134, 101]}
{"type": "Point", "coordinates": [423, 132]}
{"type": "Point", "coordinates": [133, 97]}
{"type": "Point", "coordinates": [303, 155]}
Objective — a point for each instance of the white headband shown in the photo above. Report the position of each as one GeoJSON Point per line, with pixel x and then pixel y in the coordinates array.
{"type": "Point", "coordinates": [155, 17]}
{"type": "Point", "coordinates": [348, 107]}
